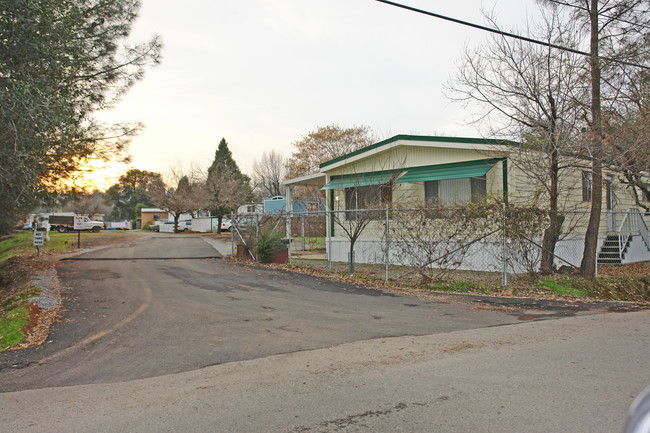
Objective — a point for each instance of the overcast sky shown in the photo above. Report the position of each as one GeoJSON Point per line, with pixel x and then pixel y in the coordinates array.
{"type": "Point", "coordinates": [264, 73]}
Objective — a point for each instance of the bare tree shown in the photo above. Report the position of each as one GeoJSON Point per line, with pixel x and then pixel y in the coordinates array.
{"type": "Point", "coordinates": [528, 93]}
{"type": "Point", "coordinates": [617, 35]}
{"type": "Point", "coordinates": [224, 191]}
{"type": "Point", "coordinates": [268, 174]}
{"type": "Point", "coordinates": [365, 201]}
{"type": "Point", "coordinates": [185, 193]}
{"type": "Point", "coordinates": [627, 149]}
{"type": "Point", "coordinates": [88, 204]}
{"type": "Point", "coordinates": [627, 133]}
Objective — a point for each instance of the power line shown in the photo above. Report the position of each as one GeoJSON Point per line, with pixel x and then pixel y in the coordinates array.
{"type": "Point", "coordinates": [510, 35]}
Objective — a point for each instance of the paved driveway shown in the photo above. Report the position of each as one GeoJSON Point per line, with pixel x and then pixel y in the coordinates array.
{"type": "Point", "coordinates": [168, 303]}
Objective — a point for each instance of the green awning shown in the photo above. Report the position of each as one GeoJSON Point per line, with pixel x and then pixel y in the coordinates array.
{"type": "Point", "coordinates": [454, 170]}
{"type": "Point", "coordinates": [360, 179]}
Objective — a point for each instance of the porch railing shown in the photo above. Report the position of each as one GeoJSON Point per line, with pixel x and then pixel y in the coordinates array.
{"type": "Point", "coordinates": [625, 231]}
{"type": "Point", "coordinates": [643, 229]}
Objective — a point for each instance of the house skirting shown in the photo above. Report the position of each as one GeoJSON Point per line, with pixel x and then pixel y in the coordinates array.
{"type": "Point", "coordinates": [485, 255]}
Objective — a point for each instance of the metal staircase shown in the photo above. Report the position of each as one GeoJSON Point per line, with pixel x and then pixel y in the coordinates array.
{"type": "Point", "coordinates": [616, 245]}
{"type": "Point", "coordinates": [612, 253]}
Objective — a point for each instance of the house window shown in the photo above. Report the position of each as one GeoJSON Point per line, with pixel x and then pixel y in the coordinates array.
{"type": "Point", "coordinates": [251, 208]}
{"type": "Point", "coordinates": [587, 186]}
{"type": "Point", "coordinates": [312, 206]}
{"type": "Point", "coordinates": [367, 197]}
{"type": "Point", "coordinates": [455, 191]}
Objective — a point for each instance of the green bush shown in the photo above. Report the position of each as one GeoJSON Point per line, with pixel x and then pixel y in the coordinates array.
{"type": "Point", "coordinates": [268, 243]}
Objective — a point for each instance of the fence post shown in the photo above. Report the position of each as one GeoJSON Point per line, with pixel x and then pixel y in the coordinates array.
{"type": "Point", "coordinates": [232, 233]}
{"type": "Point", "coordinates": [304, 248]}
{"type": "Point", "coordinates": [329, 230]}
{"type": "Point", "coordinates": [387, 235]}
{"type": "Point", "coordinates": [505, 249]}
{"type": "Point", "coordinates": [289, 237]}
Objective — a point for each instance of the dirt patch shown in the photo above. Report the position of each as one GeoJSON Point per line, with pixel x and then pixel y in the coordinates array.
{"type": "Point", "coordinates": [38, 328]}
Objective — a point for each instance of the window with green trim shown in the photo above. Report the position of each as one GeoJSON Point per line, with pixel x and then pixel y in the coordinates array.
{"type": "Point", "coordinates": [367, 197]}
{"type": "Point", "coordinates": [448, 192]}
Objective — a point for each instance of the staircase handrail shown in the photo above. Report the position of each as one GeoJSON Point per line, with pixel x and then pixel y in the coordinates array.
{"type": "Point", "coordinates": [624, 232]}
{"type": "Point", "coordinates": [643, 229]}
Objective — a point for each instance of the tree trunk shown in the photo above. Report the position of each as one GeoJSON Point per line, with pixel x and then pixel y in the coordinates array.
{"type": "Point", "coordinates": [551, 236]}
{"type": "Point", "coordinates": [351, 258]}
{"type": "Point", "coordinates": [588, 265]}
{"type": "Point", "coordinates": [552, 233]}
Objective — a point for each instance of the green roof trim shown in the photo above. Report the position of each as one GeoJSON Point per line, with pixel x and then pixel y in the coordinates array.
{"type": "Point", "coordinates": [435, 139]}
{"type": "Point", "coordinates": [455, 170]}
{"type": "Point", "coordinates": [361, 179]}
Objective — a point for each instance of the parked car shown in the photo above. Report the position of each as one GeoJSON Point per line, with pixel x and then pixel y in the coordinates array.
{"type": "Point", "coordinates": [184, 226]}
{"type": "Point", "coordinates": [226, 225]}
{"type": "Point", "coordinates": [154, 227]}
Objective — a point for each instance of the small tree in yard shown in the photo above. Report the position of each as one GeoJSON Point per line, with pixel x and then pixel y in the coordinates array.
{"type": "Point", "coordinates": [359, 200]}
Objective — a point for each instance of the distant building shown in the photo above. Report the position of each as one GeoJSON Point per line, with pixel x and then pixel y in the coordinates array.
{"type": "Point", "coordinates": [252, 208]}
{"type": "Point", "coordinates": [151, 215]}
{"type": "Point", "coordinates": [278, 205]}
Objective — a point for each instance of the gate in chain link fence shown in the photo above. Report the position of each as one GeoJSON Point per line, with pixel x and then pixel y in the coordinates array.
{"type": "Point", "coordinates": [433, 243]}
{"type": "Point", "coordinates": [301, 234]}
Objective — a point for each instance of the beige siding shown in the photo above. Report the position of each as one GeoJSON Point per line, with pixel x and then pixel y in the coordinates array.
{"type": "Point", "coordinates": [524, 187]}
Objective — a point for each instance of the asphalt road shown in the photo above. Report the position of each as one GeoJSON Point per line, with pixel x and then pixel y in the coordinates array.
{"type": "Point", "coordinates": [571, 375]}
{"type": "Point", "coordinates": [154, 339]}
{"type": "Point", "coordinates": [161, 305]}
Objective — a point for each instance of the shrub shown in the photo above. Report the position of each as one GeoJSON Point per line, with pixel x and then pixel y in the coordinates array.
{"type": "Point", "coordinates": [268, 243]}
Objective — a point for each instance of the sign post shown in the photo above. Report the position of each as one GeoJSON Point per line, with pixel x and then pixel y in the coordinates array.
{"type": "Point", "coordinates": [39, 241]}
{"type": "Point", "coordinates": [78, 226]}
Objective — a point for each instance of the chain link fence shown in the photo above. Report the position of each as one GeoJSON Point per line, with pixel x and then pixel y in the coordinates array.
{"type": "Point", "coordinates": [434, 244]}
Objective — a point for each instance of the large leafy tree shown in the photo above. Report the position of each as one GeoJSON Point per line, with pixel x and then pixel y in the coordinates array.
{"type": "Point", "coordinates": [226, 186]}
{"type": "Point", "coordinates": [60, 62]}
{"type": "Point", "coordinates": [134, 187]}
{"type": "Point", "coordinates": [323, 144]}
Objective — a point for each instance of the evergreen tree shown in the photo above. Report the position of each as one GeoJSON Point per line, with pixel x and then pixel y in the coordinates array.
{"type": "Point", "coordinates": [61, 61]}
{"type": "Point", "coordinates": [226, 186]}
